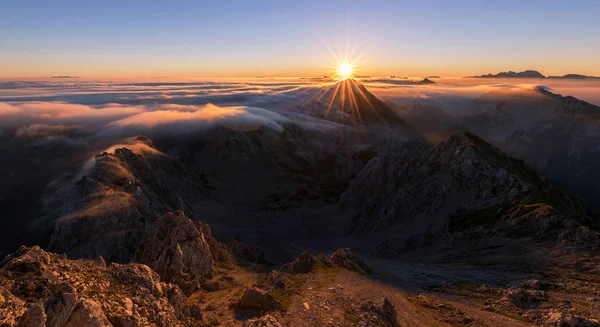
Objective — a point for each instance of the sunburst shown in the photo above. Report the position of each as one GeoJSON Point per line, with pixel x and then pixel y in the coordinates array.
{"type": "Point", "coordinates": [345, 71]}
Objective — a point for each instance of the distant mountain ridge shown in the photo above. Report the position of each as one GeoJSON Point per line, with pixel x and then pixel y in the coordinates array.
{"type": "Point", "coordinates": [532, 74]}
{"type": "Point", "coordinates": [574, 76]}
{"type": "Point", "coordinates": [512, 74]}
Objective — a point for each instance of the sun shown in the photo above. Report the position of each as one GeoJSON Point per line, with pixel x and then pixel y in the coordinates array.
{"type": "Point", "coordinates": [345, 70]}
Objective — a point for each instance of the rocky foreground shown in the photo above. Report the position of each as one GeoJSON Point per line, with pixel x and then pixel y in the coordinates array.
{"type": "Point", "coordinates": [38, 288]}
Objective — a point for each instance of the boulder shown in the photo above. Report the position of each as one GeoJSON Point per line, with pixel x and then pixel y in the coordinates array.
{"type": "Point", "coordinates": [87, 313]}
{"type": "Point", "coordinates": [255, 298]}
{"type": "Point", "coordinates": [33, 317]}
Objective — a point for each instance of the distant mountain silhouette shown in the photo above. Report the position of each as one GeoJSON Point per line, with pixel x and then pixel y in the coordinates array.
{"type": "Point", "coordinates": [531, 74]}
{"type": "Point", "coordinates": [64, 76]}
{"type": "Point", "coordinates": [401, 81]}
{"type": "Point", "coordinates": [511, 74]}
{"type": "Point", "coordinates": [574, 76]}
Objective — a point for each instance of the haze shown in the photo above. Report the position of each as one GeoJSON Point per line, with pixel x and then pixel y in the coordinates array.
{"type": "Point", "coordinates": [117, 39]}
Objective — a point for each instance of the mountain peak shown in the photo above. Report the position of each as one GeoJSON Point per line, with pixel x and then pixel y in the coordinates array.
{"type": "Point", "coordinates": [464, 138]}
{"type": "Point", "coordinates": [351, 98]}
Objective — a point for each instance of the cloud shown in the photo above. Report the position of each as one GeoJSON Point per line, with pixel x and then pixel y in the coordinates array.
{"type": "Point", "coordinates": [171, 115]}
{"type": "Point", "coordinates": [183, 119]}
{"type": "Point", "coordinates": [37, 131]}
{"type": "Point", "coordinates": [18, 114]}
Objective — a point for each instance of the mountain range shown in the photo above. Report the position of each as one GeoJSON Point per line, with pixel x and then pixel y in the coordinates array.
{"type": "Point", "coordinates": [350, 211]}
{"type": "Point", "coordinates": [531, 74]}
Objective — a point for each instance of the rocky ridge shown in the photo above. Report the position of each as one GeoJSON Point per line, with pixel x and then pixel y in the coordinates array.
{"type": "Point", "coordinates": [461, 186]}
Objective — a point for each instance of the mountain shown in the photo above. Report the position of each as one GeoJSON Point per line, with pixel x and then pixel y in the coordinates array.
{"type": "Point", "coordinates": [402, 81]}
{"type": "Point", "coordinates": [511, 74]}
{"type": "Point", "coordinates": [574, 76]}
{"type": "Point", "coordinates": [431, 122]}
{"type": "Point", "coordinates": [556, 134]}
{"type": "Point", "coordinates": [238, 181]}
{"type": "Point", "coordinates": [338, 214]}
{"type": "Point", "coordinates": [533, 74]}
{"type": "Point", "coordinates": [463, 192]}
{"type": "Point", "coordinates": [349, 102]}
{"type": "Point", "coordinates": [120, 195]}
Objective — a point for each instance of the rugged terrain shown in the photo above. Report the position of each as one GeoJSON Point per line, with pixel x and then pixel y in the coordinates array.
{"type": "Point", "coordinates": [338, 214]}
{"type": "Point", "coordinates": [555, 134]}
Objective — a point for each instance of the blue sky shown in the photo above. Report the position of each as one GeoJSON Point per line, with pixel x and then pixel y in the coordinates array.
{"type": "Point", "coordinates": [296, 38]}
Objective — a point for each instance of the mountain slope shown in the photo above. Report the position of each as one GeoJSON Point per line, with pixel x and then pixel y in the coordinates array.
{"type": "Point", "coordinates": [119, 195]}
{"type": "Point", "coordinates": [463, 186]}
{"type": "Point", "coordinates": [557, 135]}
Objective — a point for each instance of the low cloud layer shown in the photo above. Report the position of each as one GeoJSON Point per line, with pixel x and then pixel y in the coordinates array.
{"type": "Point", "coordinates": [21, 113]}
{"type": "Point", "coordinates": [37, 131]}
{"type": "Point", "coordinates": [51, 108]}
{"type": "Point", "coordinates": [174, 119]}
{"type": "Point", "coordinates": [51, 120]}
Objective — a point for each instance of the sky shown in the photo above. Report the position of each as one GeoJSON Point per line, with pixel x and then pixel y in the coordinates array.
{"type": "Point", "coordinates": [195, 39]}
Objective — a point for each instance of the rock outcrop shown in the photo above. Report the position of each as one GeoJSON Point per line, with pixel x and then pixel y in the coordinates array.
{"type": "Point", "coordinates": [383, 314]}
{"type": "Point", "coordinates": [45, 289]}
{"type": "Point", "coordinates": [344, 258]}
{"type": "Point", "coordinates": [303, 264]}
{"type": "Point", "coordinates": [176, 248]}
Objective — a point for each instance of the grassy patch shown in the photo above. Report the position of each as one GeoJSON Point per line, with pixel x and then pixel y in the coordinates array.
{"type": "Point", "coordinates": [350, 314]}
{"type": "Point", "coordinates": [294, 286]}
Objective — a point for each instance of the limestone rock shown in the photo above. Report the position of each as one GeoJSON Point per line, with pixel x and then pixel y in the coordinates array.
{"type": "Point", "coordinates": [264, 321]}
{"type": "Point", "coordinates": [33, 317]}
{"type": "Point", "coordinates": [523, 298]}
{"type": "Point", "coordinates": [177, 250]}
{"type": "Point", "coordinates": [303, 264]}
{"type": "Point", "coordinates": [87, 313]}
{"type": "Point", "coordinates": [57, 291]}
{"type": "Point", "coordinates": [383, 314]}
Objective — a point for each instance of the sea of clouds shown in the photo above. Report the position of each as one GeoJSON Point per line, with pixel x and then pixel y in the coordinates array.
{"type": "Point", "coordinates": [61, 109]}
